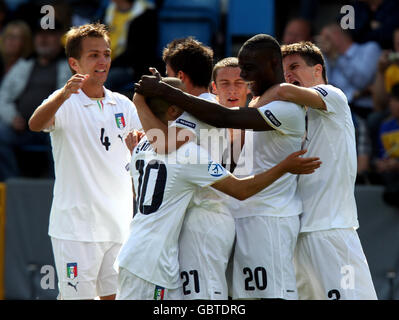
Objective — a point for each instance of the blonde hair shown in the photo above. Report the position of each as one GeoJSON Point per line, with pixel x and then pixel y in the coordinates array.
{"type": "Point", "coordinates": [231, 62]}
{"type": "Point", "coordinates": [75, 36]}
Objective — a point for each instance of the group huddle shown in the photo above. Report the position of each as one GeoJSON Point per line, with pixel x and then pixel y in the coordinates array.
{"type": "Point", "coordinates": [274, 217]}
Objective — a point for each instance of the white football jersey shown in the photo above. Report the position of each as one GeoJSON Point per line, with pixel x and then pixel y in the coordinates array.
{"type": "Point", "coordinates": [164, 185]}
{"type": "Point", "coordinates": [328, 193]}
{"type": "Point", "coordinates": [93, 189]}
{"type": "Point", "coordinates": [265, 149]}
{"type": "Point", "coordinates": [217, 142]}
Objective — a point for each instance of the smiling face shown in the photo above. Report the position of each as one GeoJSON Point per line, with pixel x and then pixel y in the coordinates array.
{"type": "Point", "coordinates": [95, 60]}
{"type": "Point", "coordinates": [296, 71]}
{"type": "Point", "coordinates": [230, 88]}
{"type": "Point", "coordinates": [256, 70]}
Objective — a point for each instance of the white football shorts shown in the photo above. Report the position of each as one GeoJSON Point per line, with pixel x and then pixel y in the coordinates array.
{"type": "Point", "coordinates": [205, 245]}
{"type": "Point", "coordinates": [85, 269]}
{"type": "Point", "coordinates": [131, 287]}
{"type": "Point", "coordinates": [263, 258]}
{"type": "Point", "coordinates": [331, 265]}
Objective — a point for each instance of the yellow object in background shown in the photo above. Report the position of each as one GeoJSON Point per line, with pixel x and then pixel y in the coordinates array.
{"type": "Point", "coordinates": [2, 236]}
{"type": "Point", "coordinates": [391, 77]}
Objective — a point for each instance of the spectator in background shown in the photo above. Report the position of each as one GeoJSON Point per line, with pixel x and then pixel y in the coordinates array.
{"type": "Point", "coordinates": [350, 66]}
{"type": "Point", "coordinates": [297, 30]}
{"type": "Point", "coordinates": [375, 20]}
{"type": "Point", "coordinates": [388, 162]}
{"type": "Point", "coordinates": [387, 73]}
{"type": "Point", "coordinates": [133, 28]}
{"type": "Point", "coordinates": [5, 15]}
{"type": "Point", "coordinates": [387, 76]}
{"type": "Point", "coordinates": [15, 43]}
{"type": "Point", "coordinates": [24, 87]}
{"type": "Point", "coordinates": [363, 149]}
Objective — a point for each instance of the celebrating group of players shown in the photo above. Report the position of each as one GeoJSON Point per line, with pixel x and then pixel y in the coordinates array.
{"type": "Point", "coordinates": [279, 226]}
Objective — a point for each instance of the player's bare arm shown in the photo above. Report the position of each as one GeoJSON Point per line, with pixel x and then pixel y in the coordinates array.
{"type": "Point", "coordinates": [242, 189]}
{"type": "Point", "coordinates": [43, 116]}
{"type": "Point", "coordinates": [207, 111]}
{"type": "Point", "coordinates": [157, 132]}
{"type": "Point", "coordinates": [292, 93]}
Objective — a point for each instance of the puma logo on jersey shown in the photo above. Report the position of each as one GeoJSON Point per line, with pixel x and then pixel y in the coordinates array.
{"type": "Point", "coordinates": [73, 286]}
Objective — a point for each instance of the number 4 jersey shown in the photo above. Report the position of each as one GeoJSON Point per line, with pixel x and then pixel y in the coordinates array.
{"type": "Point", "coordinates": [164, 186]}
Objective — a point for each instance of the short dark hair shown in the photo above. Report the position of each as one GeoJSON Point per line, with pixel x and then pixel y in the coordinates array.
{"type": "Point", "coordinates": [231, 62]}
{"type": "Point", "coordinates": [395, 91]}
{"type": "Point", "coordinates": [158, 105]}
{"type": "Point", "coordinates": [263, 41]}
{"type": "Point", "coordinates": [309, 52]}
{"type": "Point", "coordinates": [192, 57]}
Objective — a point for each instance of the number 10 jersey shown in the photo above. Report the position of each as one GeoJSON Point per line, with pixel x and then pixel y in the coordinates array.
{"type": "Point", "coordinates": [164, 186]}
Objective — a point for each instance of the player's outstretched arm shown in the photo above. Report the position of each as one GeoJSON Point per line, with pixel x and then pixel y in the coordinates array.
{"type": "Point", "coordinates": [292, 93]}
{"type": "Point", "coordinates": [43, 116]}
{"type": "Point", "coordinates": [242, 189]}
{"type": "Point", "coordinates": [207, 111]}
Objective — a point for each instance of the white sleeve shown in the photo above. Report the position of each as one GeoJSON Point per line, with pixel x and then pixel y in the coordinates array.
{"type": "Point", "coordinates": [199, 168]}
{"type": "Point", "coordinates": [189, 122]}
{"type": "Point", "coordinates": [333, 97]}
{"type": "Point", "coordinates": [58, 114]}
{"type": "Point", "coordinates": [134, 120]}
{"type": "Point", "coordinates": [285, 117]}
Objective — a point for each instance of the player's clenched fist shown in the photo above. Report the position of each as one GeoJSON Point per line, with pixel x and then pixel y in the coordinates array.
{"type": "Point", "coordinates": [74, 84]}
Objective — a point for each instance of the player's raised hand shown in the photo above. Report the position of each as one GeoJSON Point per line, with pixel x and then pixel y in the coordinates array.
{"type": "Point", "coordinates": [74, 84]}
{"type": "Point", "coordinates": [296, 165]}
{"type": "Point", "coordinates": [150, 86]}
{"type": "Point", "coordinates": [155, 72]}
{"type": "Point", "coordinates": [132, 139]}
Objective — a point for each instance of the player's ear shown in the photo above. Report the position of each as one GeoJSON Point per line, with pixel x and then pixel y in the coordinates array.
{"type": "Point", "coordinates": [181, 75]}
{"type": "Point", "coordinates": [214, 88]}
{"type": "Point", "coordinates": [318, 70]}
{"type": "Point", "coordinates": [73, 63]}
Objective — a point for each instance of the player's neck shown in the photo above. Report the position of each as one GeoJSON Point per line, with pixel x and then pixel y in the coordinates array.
{"type": "Point", "coordinates": [197, 91]}
{"type": "Point", "coordinates": [93, 91]}
{"type": "Point", "coordinates": [317, 82]}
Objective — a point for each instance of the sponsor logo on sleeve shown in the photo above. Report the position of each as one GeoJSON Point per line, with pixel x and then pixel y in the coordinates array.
{"type": "Point", "coordinates": [186, 123]}
{"type": "Point", "coordinates": [272, 118]}
{"type": "Point", "coordinates": [215, 169]}
{"type": "Point", "coordinates": [322, 91]}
